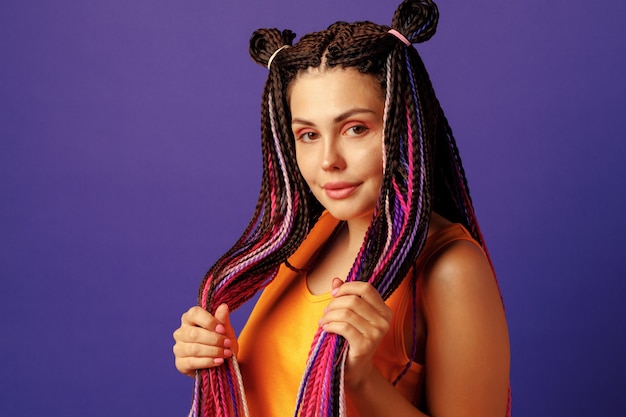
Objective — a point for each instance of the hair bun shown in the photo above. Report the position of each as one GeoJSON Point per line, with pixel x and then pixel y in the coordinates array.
{"type": "Point", "coordinates": [416, 20]}
{"type": "Point", "coordinates": [264, 42]}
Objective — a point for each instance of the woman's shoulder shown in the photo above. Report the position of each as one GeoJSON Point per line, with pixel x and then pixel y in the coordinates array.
{"type": "Point", "coordinates": [447, 238]}
{"type": "Point", "coordinates": [457, 270]}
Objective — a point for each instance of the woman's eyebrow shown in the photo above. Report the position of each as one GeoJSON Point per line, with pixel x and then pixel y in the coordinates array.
{"type": "Point", "coordinates": [338, 119]}
{"type": "Point", "coordinates": [351, 113]}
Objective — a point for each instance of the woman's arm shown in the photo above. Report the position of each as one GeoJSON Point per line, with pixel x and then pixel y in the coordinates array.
{"type": "Point", "coordinates": [467, 346]}
{"type": "Point", "coordinates": [467, 350]}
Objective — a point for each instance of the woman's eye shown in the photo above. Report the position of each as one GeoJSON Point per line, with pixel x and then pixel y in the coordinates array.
{"type": "Point", "coordinates": [356, 130]}
{"type": "Point", "coordinates": [307, 136]}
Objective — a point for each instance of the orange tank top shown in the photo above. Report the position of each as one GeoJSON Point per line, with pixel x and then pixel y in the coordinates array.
{"type": "Point", "coordinates": [275, 342]}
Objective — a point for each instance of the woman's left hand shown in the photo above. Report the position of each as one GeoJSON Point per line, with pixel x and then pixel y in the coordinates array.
{"type": "Point", "coordinates": [358, 313]}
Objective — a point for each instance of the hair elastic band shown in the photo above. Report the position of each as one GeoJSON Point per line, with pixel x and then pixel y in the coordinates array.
{"type": "Point", "coordinates": [269, 61]}
{"type": "Point", "coordinates": [400, 36]}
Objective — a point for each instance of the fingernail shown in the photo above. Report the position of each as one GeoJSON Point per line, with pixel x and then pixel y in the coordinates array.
{"type": "Point", "coordinates": [334, 292]}
{"type": "Point", "coordinates": [227, 343]}
{"type": "Point", "coordinates": [228, 353]}
{"type": "Point", "coordinates": [218, 361]}
{"type": "Point", "coordinates": [220, 329]}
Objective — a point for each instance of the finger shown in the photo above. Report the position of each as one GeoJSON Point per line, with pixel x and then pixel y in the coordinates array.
{"type": "Point", "coordinates": [189, 366]}
{"type": "Point", "coordinates": [197, 350]}
{"type": "Point", "coordinates": [222, 313]}
{"type": "Point", "coordinates": [343, 328]}
{"type": "Point", "coordinates": [360, 305]}
{"type": "Point", "coordinates": [194, 334]}
{"type": "Point", "coordinates": [341, 319]}
{"type": "Point", "coordinates": [362, 344]}
{"type": "Point", "coordinates": [336, 283]}
{"type": "Point", "coordinates": [197, 316]}
{"type": "Point", "coordinates": [372, 327]}
{"type": "Point", "coordinates": [358, 288]}
{"type": "Point", "coordinates": [367, 293]}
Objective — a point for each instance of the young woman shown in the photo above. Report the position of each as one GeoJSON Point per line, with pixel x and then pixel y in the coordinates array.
{"type": "Point", "coordinates": [379, 298]}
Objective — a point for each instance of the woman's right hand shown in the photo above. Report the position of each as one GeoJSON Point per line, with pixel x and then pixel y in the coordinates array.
{"type": "Point", "coordinates": [203, 340]}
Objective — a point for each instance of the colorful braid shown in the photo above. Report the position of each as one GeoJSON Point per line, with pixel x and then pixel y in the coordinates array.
{"type": "Point", "coordinates": [422, 172]}
{"type": "Point", "coordinates": [278, 226]}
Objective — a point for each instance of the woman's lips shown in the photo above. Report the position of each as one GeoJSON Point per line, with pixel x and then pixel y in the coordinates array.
{"type": "Point", "coordinates": [339, 190]}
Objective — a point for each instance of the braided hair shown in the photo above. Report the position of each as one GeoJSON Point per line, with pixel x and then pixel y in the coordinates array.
{"type": "Point", "coordinates": [422, 173]}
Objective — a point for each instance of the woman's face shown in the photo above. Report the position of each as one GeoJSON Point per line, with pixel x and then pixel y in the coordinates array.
{"type": "Point", "coordinates": [337, 121]}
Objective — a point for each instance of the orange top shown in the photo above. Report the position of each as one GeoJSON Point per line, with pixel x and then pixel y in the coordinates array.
{"type": "Point", "coordinates": [275, 343]}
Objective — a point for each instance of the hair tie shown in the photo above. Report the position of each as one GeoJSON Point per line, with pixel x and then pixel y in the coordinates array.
{"type": "Point", "coordinates": [399, 36]}
{"type": "Point", "coordinates": [269, 61]}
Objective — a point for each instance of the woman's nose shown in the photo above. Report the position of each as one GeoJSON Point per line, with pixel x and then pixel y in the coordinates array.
{"type": "Point", "coordinates": [332, 157]}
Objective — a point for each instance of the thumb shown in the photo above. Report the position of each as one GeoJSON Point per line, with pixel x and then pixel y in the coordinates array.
{"type": "Point", "coordinates": [222, 314]}
{"type": "Point", "coordinates": [337, 282]}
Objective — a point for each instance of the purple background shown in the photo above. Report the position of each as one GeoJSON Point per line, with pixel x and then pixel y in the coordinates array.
{"type": "Point", "coordinates": [129, 160]}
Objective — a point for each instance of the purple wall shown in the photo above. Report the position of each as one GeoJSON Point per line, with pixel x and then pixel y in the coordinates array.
{"type": "Point", "coordinates": [129, 160]}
